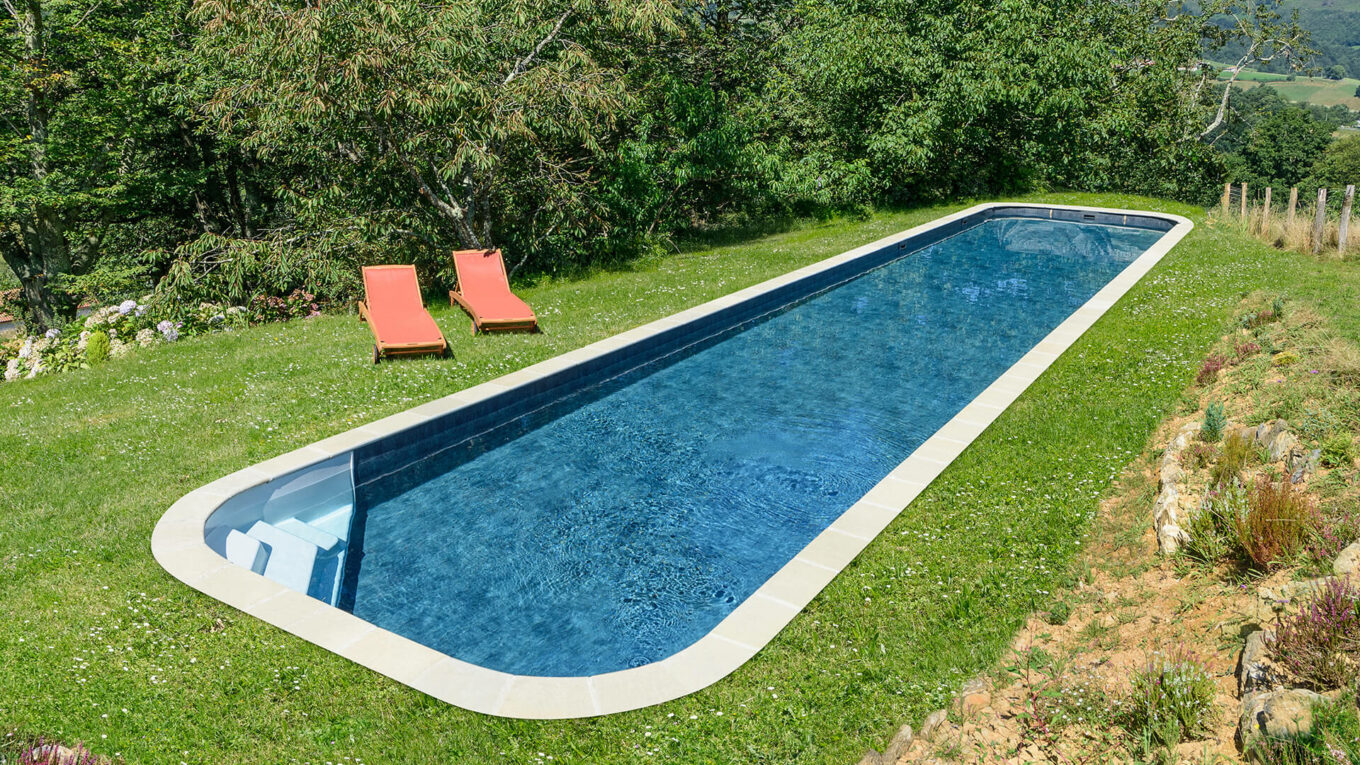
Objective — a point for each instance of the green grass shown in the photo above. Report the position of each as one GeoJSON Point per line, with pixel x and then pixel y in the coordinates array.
{"type": "Point", "coordinates": [100, 645]}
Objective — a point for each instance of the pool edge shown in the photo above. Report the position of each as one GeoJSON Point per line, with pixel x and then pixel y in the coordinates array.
{"type": "Point", "coordinates": [178, 545]}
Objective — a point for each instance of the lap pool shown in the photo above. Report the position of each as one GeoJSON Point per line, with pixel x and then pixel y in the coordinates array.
{"type": "Point", "coordinates": [633, 520]}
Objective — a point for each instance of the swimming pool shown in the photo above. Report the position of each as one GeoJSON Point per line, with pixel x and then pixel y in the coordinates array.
{"type": "Point", "coordinates": [631, 521]}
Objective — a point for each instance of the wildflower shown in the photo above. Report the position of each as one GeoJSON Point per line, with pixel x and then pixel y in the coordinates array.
{"type": "Point", "coordinates": [127, 306]}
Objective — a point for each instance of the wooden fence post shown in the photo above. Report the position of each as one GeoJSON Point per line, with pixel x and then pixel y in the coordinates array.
{"type": "Point", "coordinates": [1293, 205]}
{"type": "Point", "coordinates": [1320, 220]}
{"type": "Point", "coordinates": [1345, 219]}
{"type": "Point", "coordinates": [1265, 213]}
{"type": "Point", "coordinates": [1227, 198]}
{"type": "Point", "coordinates": [1244, 203]}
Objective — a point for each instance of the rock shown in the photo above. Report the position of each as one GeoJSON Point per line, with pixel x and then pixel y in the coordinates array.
{"type": "Point", "coordinates": [933, 723]}
{"type": "Point", "coordinates": [1267, 432]}
{"type": "Point", "coordinates": [1348, 562]}
{"type": "Point", "coordinates": [874, 758]}
{"type": "Point", "coordinates": [970, 704]}
{"type": "Point", "coordinates": [1281, 445]}
{"type": "Point", "coordinates": [1171, 474]}
{"type": "Point", "coordinates": [899, 745]}
{"type": "Point", "coordinates": [974, 697]}
{"type": "Point", "coordinates": [1245, 432]}
{"type": "Point", "coordinates": [1303, 464]}
{"type": "Point", "coordinates": [1276, 714]}
{"type": "Point", "coordinates": [1255, 672]}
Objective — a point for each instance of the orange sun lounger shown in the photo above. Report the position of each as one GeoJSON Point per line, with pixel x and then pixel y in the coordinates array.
{"type": "Point", "coordinates": [484, 292]}
{"type": "Point", "coordinates": [394, 311]}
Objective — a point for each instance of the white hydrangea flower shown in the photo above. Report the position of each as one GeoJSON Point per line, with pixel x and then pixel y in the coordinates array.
{"type": "Point", "coordinates": [146, 337]}
{"type": "Point", "coordinates": [12, 370]}
{"type": "Point", "coordinates": [127, 306]}
{"type": "Point", "coordinates": [83, 342]}
{"type": "Point", "coordinates": [27, 349]}
{"type": "Point", "coordinates": [118, 348]}
{"type": "Point", "coordinates": [37, 369]}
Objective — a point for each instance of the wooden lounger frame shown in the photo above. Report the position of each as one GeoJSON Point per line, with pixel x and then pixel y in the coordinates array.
{"type": "Point", "coordinates": [483, 324]}
{"type": "Point", "coordinates": [381, 349]}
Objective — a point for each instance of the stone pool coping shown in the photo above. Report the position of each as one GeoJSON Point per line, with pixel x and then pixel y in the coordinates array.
{"type": "Point", "coordinates": [178, 539]}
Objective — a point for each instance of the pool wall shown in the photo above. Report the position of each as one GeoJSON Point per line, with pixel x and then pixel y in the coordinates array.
{"type": "Point", "coordinates": [180, 544]}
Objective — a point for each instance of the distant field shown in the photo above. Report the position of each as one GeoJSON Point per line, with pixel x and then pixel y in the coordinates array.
{"type": "Point", "coordinates": [1313, 90]}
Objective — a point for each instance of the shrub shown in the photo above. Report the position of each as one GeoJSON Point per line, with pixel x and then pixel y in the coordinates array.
{"type": "Point", "coordinates": [97, 348]}
{"type": "Point", "coordinates": [1258, 318]}
{"type": "Point", "coordinates": [1199, 454]}
{"type": "Point", "coordinates": [1172, 698]}
{"type": "Point", "coordinates": [43, 752]}
{"type": "Point", "coordinates": [1214, 423]}
{"type": "Point", "coordinates": [1320, 644]}
{"type": "Point", "coordinates": [1211, 532]}
{"type": "Point", "coordinates": [1277, 521]}
{"type": "Point", "coordinates": [1210, 369]}
{"type": "Point", "coordinates": [1339, 527]}
{"type": "Point", "coordinates": [1338, 451]}
{"type": "Point", "coordinates": [1242, 351]}
{"type": "Point", "coordinates": [1232, 459]}
{"type": "Point", "coordinates": [1285, 359]}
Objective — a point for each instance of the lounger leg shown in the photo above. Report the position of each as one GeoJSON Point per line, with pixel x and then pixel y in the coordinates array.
{"type": "Point", "coordinates": [376, 355]}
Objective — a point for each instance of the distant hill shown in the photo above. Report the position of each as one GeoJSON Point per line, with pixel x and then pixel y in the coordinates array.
{"type": "Point", "coordinates": [1335, 27]}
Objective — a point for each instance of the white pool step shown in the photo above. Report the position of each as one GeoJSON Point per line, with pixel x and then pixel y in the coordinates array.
{"type": "Point", "coordinates": [290, 560]}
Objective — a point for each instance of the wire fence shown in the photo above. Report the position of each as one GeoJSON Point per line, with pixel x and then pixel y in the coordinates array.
{"type": "Point", "coordinates": [1317, 221]}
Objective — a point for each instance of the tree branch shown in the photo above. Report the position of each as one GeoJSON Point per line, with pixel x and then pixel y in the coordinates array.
{"type": "Point", "coordinates": [523, 64]}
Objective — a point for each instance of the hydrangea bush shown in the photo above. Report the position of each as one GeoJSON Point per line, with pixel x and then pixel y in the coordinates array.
{"type": "Point", "coordinates": [132, 325]}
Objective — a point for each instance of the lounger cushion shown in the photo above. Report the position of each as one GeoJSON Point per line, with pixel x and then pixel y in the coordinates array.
{"type": "Point", "coordinates": [481, 282]}
{"type": "Point", "coordinates": [395, 308]}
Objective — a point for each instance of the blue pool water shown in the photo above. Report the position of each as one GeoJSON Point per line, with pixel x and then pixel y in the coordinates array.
{"type": "Point", "coordinates": [619, 525]}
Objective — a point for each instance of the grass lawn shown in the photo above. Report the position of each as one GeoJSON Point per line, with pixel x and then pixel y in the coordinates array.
{"type": "Point", "coordinates": [100, 645]}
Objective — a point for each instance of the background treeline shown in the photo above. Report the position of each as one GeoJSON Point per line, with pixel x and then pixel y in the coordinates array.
{"type": "Point", "coordinates": [219, 149]}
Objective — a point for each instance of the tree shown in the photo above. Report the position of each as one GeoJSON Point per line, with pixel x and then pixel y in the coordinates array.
{"type": "Point", "coordinates": [83, 153]}
{"type": "Point", "coordinates": [1254, 27]}
{"type": "Point", "coordinates": [492, 116]}
{"type": "Point", "coordinates": [1339, 166]}
{"type": "Point", "coordinates": [1335, 72]}
{"type": "Point", "coordinates": [1283, 147]}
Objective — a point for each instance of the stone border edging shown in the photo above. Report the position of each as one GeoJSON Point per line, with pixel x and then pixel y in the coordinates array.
{"type": "Point", "coordinates": [178, 543]}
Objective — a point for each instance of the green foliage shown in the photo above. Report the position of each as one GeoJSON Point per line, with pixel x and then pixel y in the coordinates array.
{"type": "Point", "coordinates": [1172, 697]}
{"type": "Point", "coordinates": [1214, 423]}
{"type": "Point", "coordinates": [1211, 532]}
{"type": "Point", "coordinates": [1231, 461]}
{"type": "Point", "coordinates": [97, 347]}
{"type": "Point", "coordinates": [1059, 613]}
{"type": "Point", "coordinates": [1339, 165]}
{"type": "Point", "coordinates": [1283, 147]}
{"type": "Point", "coordinates": [1338, 450]}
